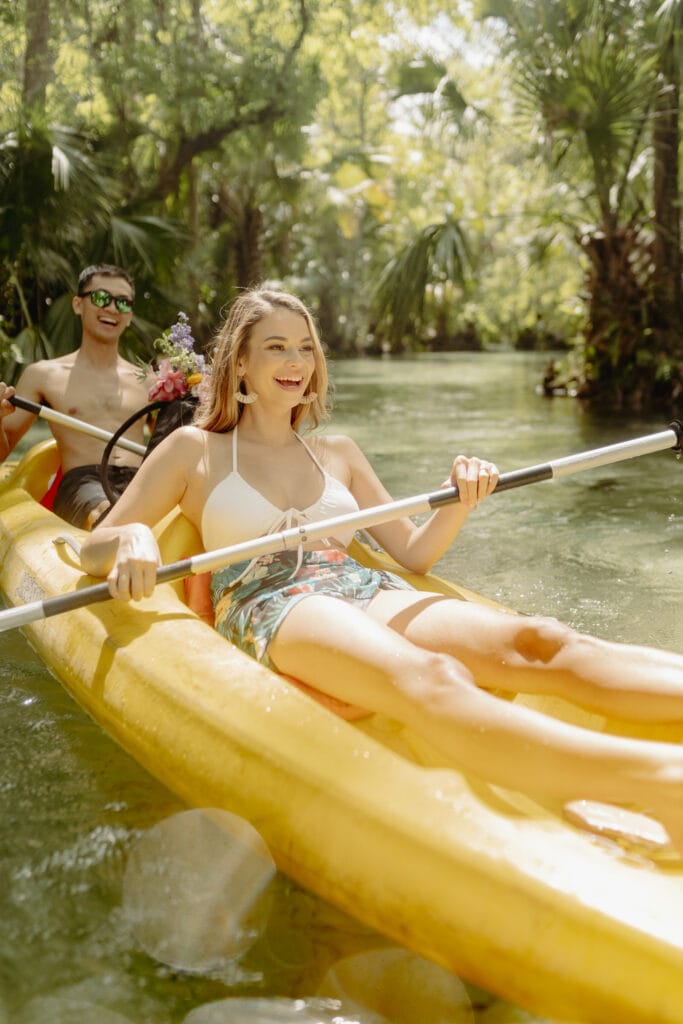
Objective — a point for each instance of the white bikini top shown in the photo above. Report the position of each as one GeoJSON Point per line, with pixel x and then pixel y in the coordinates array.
{"type": "Point", "coordinates": [235, 511]}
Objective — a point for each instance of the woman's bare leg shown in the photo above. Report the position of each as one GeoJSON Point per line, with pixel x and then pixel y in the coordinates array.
{"type": "Point", "coordinates": [344, 652]}
{"type": "Point", "coordinates": [533, 654]}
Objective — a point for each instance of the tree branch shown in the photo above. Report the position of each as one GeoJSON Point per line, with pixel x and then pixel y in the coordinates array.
{"type": "Point", "coordinates": [190, 146]}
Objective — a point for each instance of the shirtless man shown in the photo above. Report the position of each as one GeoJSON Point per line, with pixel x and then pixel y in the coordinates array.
{"type": "Point", "coordinates": [94, 384]}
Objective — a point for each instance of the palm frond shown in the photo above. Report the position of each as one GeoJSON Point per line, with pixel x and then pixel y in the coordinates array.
{"type": "Point", "coordinates": [438, 253]}
{"type": "Point", "coordinates": [142, 243]}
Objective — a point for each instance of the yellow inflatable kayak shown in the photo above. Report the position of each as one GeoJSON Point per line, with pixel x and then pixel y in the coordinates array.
{"type": "Point", "coordinates": [504, 892]}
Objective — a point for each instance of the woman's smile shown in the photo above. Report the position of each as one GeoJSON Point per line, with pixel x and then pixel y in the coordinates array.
{"type": "Point", "coordinates": [290, 383]}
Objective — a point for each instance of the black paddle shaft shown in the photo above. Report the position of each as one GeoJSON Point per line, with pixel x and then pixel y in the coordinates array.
{"type": "Point", "coordinates": [565, 466]}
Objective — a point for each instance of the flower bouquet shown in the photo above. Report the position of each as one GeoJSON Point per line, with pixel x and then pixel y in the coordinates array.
{"type": "Point", "coordinates": [181, 370]}
{"type": "Point", "coordinates": [174, 395]}
{"type": "Point", "coordinates": [179, 376]}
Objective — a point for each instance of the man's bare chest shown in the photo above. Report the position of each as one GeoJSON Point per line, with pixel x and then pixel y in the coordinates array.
{"type": "Point", "coordinates": [97, 397]}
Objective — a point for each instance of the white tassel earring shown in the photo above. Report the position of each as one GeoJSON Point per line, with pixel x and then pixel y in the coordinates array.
{"type": "Point", "coordinates": [245, 399]}
{"type": "Point", "coordinates": [309, 398]}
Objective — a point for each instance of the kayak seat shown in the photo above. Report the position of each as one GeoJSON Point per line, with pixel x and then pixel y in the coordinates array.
{"type": "Point", "coordinates": [48, 499]}
{"type": "Point", "coordinates": [178, 539]}
{"type": "Point", "coordinates": [37, 470]}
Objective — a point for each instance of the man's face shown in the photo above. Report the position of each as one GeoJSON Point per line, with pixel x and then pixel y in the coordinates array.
{"type": "Point", "coordinates": [105, 323]}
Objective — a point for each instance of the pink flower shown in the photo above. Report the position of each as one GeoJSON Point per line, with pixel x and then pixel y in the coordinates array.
{"type": "Point", "coordinates": [169, 384]}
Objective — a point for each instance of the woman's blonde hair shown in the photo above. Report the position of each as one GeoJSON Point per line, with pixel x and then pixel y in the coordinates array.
{"type": "Point", "coordinates": [219, 409]}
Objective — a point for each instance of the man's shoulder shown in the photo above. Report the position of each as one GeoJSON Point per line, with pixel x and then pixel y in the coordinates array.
{"type": "Point", "coordinates": [44, 367]}
{"type": "Point", "coordinates": [39, 375]}
{"type": "Point", "coordinates": [128, 365]}
{"type": "Point", "coordinates": [144, 375]}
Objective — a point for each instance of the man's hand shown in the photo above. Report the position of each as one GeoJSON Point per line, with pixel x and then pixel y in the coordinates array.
{"type": "Point", "coordinates": [6, 392]}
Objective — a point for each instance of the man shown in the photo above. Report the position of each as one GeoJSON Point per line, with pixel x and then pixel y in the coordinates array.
{"type": "Point", "coordinates": [94, 384]}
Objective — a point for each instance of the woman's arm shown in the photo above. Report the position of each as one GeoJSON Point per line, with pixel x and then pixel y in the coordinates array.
{"type": "Point", "coordinates": [417, 548]}
{"type": "Point", "coordinates": [124, 548]}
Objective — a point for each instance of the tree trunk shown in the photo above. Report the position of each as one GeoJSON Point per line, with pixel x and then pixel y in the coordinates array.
{"type": "Point", "coordinates": [249, 247]}
{"type": "Point", "coordinates": [617, 301]}
{"type": "Point", "coordinates": [37, 57]}
{"type": "Point", "coordinates": [194, 228]}
{"type": "Point", "coordinates": [667, 243]}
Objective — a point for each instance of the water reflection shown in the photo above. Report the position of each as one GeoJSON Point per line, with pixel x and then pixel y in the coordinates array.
{"type": "Point", "coordinates": [602, 550]}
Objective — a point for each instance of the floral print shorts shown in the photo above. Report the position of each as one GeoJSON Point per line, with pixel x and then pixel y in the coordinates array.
{"type": "Point", "coordinates": [250, 605]}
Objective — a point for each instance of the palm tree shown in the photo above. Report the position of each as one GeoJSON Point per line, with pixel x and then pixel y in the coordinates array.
{"type": "Point", "coordinates": [666, 141]}
{"type": "Point", "coordinates": [418, 283]}
{"type": "Point", "coordinates": [59, 212]}
{"type": "Point", "coordinates": [437, 258]}
{"type": "Point", "coordinates": [60, 209]}
{"type": "Point", "coordinates": [51, 200]}
{"type": "Point", "coordinates": [601, 86]}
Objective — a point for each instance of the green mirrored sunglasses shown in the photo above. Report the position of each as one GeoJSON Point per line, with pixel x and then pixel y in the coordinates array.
{"type": "Point", "coordinates": [102, 298]}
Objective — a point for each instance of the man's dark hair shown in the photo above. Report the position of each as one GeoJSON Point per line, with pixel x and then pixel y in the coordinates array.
{"type": "Point", "coordinates": [104, 270]}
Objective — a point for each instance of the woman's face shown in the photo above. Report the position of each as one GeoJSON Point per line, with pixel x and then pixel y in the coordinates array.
{"type": "Point", "coordinates": [280, 358]}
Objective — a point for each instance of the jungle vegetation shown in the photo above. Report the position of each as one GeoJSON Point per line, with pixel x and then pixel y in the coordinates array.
{"type": "Point", "coordinates": [502, 175]}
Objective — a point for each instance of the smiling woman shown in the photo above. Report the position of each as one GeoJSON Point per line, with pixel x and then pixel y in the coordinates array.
{"type": "Point", "coordinates": [279, 355]}
{"type": "Point", "coordinates": [364, 636]}
{"type": "Point", "coordinates": [293, 363]}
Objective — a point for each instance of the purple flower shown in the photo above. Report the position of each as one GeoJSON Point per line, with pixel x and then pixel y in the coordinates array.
{"type": "Point", "coordinates": [180, 334]}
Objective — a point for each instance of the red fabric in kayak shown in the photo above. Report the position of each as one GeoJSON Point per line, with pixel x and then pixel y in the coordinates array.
{"type": "Point", "coordinates": [48, 499]}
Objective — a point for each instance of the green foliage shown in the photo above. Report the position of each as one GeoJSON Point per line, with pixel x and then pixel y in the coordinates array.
{"type": "Point", "coordinates": [51, 197]}
{"type": "Point", "coordinates": [594, 93]}
{"type": "Point", "coordinates": [439, 254]}
{"type": "Point", "coordinates": [415, 174]}
{"type": "Point", "coordinates": [593, 81]}
{"type": "Point", "coordinates": [149, 92]}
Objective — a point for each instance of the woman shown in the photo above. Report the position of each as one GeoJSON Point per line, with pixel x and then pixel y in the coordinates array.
{"type": "Point", "coordinates": [242, 470]}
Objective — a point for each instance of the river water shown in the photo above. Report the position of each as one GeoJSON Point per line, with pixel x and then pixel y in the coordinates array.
{"type": "Point", "coordinates": [602, 549]}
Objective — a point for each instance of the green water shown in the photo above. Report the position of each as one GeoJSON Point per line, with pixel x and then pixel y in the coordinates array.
{"type": "Point", "coordinates": [602, 550]}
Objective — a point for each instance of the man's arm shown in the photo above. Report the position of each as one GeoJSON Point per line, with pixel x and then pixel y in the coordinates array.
{"type": "Point", "coordinates": [15, 422]}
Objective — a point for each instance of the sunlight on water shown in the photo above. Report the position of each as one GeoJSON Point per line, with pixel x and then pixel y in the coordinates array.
{"type": "Point", "coordinates": [399, 987]}
{"type": "Point", "coordinates": [602, 549]}
{"type": "Point", "coordinates": [196, 889]}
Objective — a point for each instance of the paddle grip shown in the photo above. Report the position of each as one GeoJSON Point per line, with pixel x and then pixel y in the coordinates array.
{"type": "Point", "coordinates": [25, 403]}
{"type": "Point", "coordinates": [507, 481]}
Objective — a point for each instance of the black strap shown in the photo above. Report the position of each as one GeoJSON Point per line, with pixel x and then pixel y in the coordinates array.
{"type": "Point", "coordinates": [180, 410]}
{"type": "Point", "coordinates": [111, 443]}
